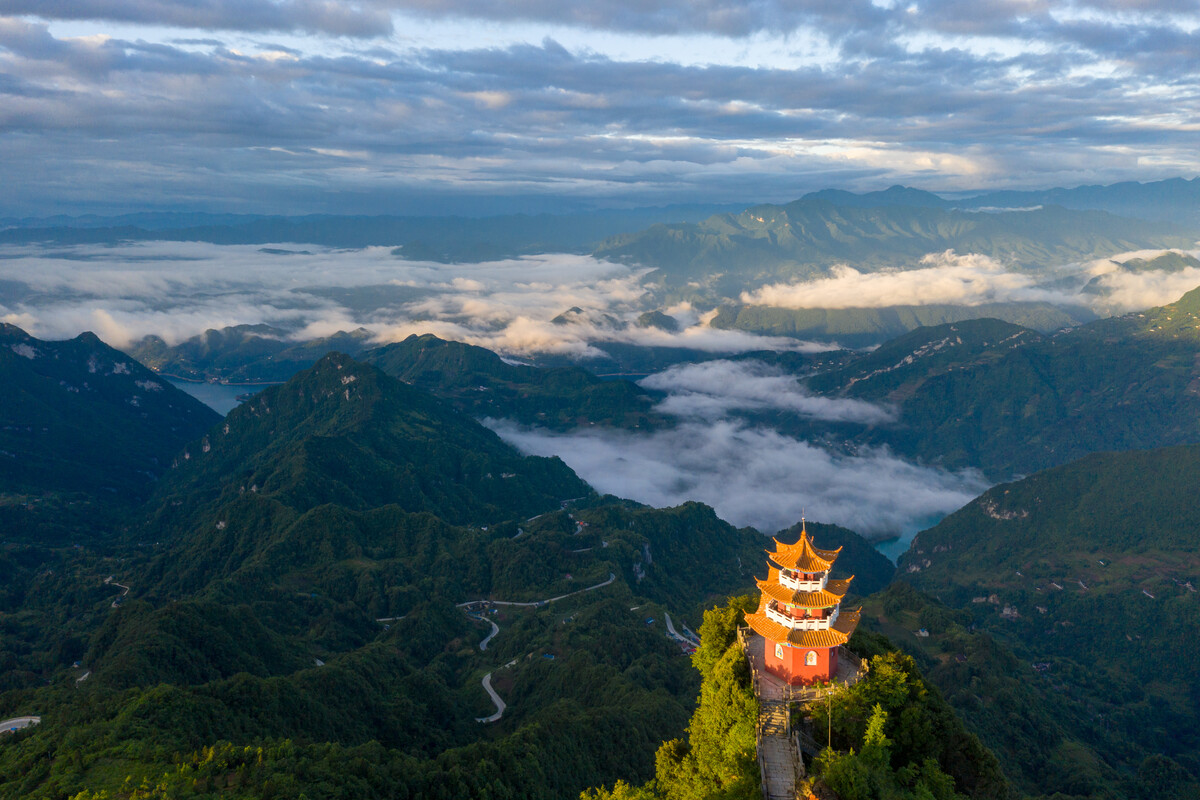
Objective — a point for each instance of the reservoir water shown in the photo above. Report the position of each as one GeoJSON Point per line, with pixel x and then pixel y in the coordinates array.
{"type": "Point", "coordinates": [220, 397]}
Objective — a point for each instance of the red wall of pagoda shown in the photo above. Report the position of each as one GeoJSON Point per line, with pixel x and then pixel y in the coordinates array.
{"type": "Point", "coordinates": [792, 667]}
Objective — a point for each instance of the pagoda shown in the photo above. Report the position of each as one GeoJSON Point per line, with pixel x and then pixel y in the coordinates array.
{"type": "Point", "coordinates": [800, 616]}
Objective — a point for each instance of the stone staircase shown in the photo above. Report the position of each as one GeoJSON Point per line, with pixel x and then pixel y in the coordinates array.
{"type": "Point", "coordinates": [777, 754]}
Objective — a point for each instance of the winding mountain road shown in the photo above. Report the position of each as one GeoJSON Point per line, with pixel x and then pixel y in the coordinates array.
{"type": "Point", "coordinates": [487, 679]}
{"type": "Point", "coordinates": [500, 704]}
{"type": "Point", "coordinates": [495, 629]}
{"type": "Point", "coordinates": [17, 723]}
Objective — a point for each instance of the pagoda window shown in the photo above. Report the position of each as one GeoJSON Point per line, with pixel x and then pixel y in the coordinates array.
{"type": "Point", "coordinates": [810, 658]}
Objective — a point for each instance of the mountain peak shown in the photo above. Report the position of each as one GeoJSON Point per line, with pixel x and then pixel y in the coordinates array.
{"type": "Point", "coordinates": [77, 415]}
{"type": "Point", "coordinates": [343, 431]}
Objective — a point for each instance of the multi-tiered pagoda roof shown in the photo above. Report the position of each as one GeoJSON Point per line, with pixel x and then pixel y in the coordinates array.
{"type": "Point", "coordinates": [800, 605]}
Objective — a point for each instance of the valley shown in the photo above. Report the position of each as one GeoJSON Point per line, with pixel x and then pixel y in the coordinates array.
{"type": "Point", "coordinates": [444, 541]}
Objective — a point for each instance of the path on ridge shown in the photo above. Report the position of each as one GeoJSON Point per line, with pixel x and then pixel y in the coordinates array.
{"type": "Point", "coordinates": [612, 576]}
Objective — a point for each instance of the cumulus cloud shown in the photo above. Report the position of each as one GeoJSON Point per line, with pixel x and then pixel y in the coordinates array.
{"type": "Point", "coordinates": [712, 389]}
{"type": "Point", "coordinates": [944, 278]}
{"type": "Point", "coordinates": [176, 290]}
{"type": "Point", "coordinates": [756, 476]}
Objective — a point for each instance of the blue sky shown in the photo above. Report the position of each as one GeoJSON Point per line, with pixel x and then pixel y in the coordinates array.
{"type": "Point", "coordinates": [378, 106]}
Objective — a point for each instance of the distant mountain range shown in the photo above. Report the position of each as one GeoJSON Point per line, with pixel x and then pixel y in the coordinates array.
{"type": "Point", "coordinates": [802, 239]}
{"type": "Point", "coordinates": [1173, 200]}
{"type": "Point", "coordinates": [812, 233]}
{"type": "Point", "coordinates": [447, 239]}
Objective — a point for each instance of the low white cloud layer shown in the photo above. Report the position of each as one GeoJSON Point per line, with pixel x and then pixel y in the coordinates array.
{"type": "Point", "coordinates": [755, 476]}
{"type": "Point", "coordinates": [176, 290]}
{"type": "Point", "coordinates": [972, 279]}
{"type": "Point", "coordinates": [1119, 291]}
{"type": "Point", "coordinates": [943, 278]}
{"type": "Point", "coordinates": [712, 389]}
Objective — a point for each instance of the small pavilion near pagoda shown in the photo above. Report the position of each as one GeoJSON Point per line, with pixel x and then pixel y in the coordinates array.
{"type": "Point", "coordinates": [800, 617]}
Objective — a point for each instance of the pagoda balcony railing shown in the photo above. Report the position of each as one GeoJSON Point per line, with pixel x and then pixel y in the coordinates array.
{"type": "Point", "coordinates": [803, 624]}
{"type": "Point", "coordinates": [797, 585]}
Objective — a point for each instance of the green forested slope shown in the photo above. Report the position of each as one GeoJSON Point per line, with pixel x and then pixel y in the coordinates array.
{"type": "Point", "coordinates": [85, 431]}
{"type": "Point", "coordinates": [78, 416]}
{"type": "Point", "coordinates": [478, 381]}
{"type": "Point", "coordinates": [1012, 402]}
{"type": "Point", "coordinates": [1089, 570]}
{"type": "Point", "coordinates": [281, 617]}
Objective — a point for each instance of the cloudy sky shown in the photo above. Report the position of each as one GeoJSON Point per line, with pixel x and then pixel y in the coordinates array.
{"type": "Point", "coordinates": [411, 106]}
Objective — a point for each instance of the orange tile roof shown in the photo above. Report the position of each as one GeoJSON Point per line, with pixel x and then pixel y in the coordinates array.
{"type": "Point", "coordinates": [828, 597]}
{"type": "Point", "coordinates": [841, 631]}
{"type": "Point", "coordinates": [802, 556]}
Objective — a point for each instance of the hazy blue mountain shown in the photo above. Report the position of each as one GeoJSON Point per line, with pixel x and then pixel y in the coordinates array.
{"type": "Point", "coordinates": [441, 238]}
{"type": "Point", "coordinates": [892, 196]}
{"type": "Point", "coordinates": [1173, 200]}
{"type": "Point", "coordinates": [243, 353]}
{"type": "Point", "coordinates": [804, 237]}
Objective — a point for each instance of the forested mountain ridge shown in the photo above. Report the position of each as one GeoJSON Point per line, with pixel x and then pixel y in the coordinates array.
{"type": "Point", "coordinates": [1010, 401]}
{"type": "Point", "coordinates": [291, 586]}
{"type": "Point", "coordinates": [478, 381]}
{"type": "Point", "coordinates": [1089, 571]}
{"type": "Point", "coordinates": [77, 415]}
{"type": "Point", "coordinates": [342, 437]}
{"type": "Point", "coordinates": [344, 432]}
{"type": "Point", "coordinates": [897, 369]}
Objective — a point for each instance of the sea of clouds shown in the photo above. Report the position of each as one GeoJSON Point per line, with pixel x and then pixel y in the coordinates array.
{"type": "Point", "coordinates": [177, 290]}
{"type": "Point", "coordinates": [751, 473]}
{"type": "Point", "coordinates": [756, 476]}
